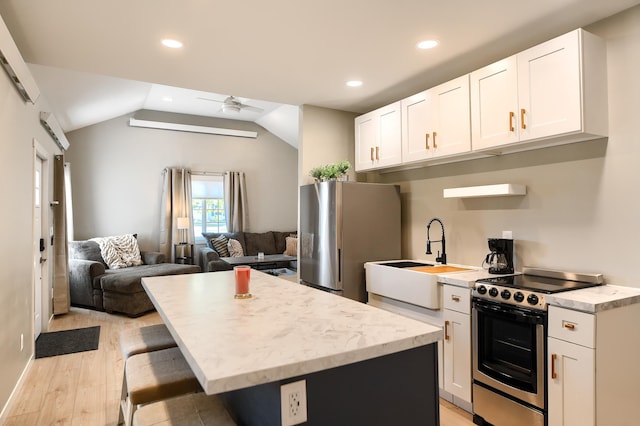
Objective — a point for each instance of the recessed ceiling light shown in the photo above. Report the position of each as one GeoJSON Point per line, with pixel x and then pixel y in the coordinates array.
{"type": "Point", "coordinates": [174, 44]}
{"type": "Point", "coordinates": [354, 83]}
{"type": "Point", "coordinates": [427, 44]}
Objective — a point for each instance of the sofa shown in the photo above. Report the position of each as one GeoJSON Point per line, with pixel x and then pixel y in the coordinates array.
{"type": "Point", "coordinates": [270, 242]}
{"type": "Point", "coordinates": [92, 284]}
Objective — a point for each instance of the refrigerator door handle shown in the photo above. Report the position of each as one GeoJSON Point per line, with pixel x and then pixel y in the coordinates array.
{"type": "Point", "coordinates": [339, 265]}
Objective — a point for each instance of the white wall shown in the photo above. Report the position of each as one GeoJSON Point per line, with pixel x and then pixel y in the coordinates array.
{"type": "Point", "coordinates": [19, 125]}
{"type": "Point", "coordinates": [116, 173]}
{"type": "Point", "coordinates": [582, 210]}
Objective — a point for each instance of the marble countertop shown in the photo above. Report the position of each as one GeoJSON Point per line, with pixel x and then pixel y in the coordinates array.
{"type": "Point", "coordinates": [284, 330]}
{"type": "Point", "coordinates": [466, 278]}
{"type": "Point", "coordinates": [595, 299]}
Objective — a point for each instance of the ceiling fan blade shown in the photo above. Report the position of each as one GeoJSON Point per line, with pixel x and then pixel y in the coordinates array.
{"type": "Point", "coordinates": [251, 108]}
{"type": "Point", "coordinates": [211, 100]}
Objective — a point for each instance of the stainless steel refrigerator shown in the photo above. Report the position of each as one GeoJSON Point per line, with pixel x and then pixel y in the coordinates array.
{"type": "Point", "coordinates": [342, 226]}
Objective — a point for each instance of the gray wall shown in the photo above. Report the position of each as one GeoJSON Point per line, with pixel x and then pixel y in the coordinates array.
{"type": "Point", "coordinates": [327, 136]}
{"type": "Point", "coordinates": [582, 209]}
{"type": "Point", "coordinates": [116, 173]}
{"type": "Point", "coordinates": [19, 126]}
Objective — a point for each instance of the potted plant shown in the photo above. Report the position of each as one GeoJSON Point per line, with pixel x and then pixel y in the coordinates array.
{"type": "Point", "coordinates": [331, 171]}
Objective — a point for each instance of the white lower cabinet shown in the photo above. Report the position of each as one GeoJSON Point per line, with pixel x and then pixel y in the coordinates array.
{"type": "Point", "coordinates": [593, 371]}
{"type": "Point", "coordinates": [457, 345]}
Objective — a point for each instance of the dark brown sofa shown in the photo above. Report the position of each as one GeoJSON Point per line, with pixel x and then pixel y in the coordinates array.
{"type": "Point", "coordinates": [270, 242]}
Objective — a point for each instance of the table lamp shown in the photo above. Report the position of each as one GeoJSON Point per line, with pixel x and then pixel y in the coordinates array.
{"type": "Point", "coordinates": [183, 224]}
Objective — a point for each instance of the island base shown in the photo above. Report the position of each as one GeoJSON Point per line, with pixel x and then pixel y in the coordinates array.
{"type": "Point", "coordinates": [395, 389]}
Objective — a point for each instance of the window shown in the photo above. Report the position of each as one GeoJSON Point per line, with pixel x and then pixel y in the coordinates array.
{"type": "Point", "coordinates": [207, 203]}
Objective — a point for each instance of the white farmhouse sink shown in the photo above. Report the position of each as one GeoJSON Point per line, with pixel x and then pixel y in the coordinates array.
{"type": "Point", "coordinates": [408, 281]}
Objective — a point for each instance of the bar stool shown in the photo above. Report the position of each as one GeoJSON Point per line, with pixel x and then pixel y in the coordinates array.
{"type": "Point", "coordinates": [145, 339]}
{"type": "Point", "coordinates": [154, 376]}
{"type": "Point", "coordinates": [189, 410]}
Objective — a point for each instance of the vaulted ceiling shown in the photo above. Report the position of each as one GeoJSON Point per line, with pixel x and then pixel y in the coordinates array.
{"type": "Point", "coordinates": [95, 60]}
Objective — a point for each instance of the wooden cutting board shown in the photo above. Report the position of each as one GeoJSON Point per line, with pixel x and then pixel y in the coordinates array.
{"type": "Point", "coordinates": [438, 269]}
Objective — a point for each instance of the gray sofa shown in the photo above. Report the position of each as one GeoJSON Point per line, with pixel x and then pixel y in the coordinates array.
{"type": "Point", "coordinates": [271, 242]}
{"type": "Point", "coordinates": [93, 285]}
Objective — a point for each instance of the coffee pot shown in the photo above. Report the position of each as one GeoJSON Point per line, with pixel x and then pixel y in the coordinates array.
{"type": "Point", "coordinates": [500, 258]}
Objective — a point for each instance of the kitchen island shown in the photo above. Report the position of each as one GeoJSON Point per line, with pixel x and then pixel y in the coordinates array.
{"type": "Point", "coordinates": [361, 365]}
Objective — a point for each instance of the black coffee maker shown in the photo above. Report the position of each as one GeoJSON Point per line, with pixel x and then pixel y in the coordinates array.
{"type": "Point", "coordinates": [500, 260]}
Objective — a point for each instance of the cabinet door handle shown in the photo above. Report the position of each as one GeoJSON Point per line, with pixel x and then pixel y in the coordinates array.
{"type": "Point", "coordinates": [446, 330]}
{"type": "Point", "coordinates": [455, 298]}
{"type": "Point", "coordinates": [435, 145]}
{"type": "Point", "coordinates": [522, 112]}
{"type": "Point", "coordinates": [426, 140]}
{"type": "Point", "coordinates": [511, 116]}
{"type": "Point", "coordinates": [377, 153]}
{"type": "Point", "coordinates": [372, 154]}
{"type": "Point", "coordinates": [569, 326]}
{"type": "Point", "coordinates": [554, 375]}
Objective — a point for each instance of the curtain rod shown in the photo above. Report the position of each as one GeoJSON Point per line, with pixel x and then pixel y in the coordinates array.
{"type": "Point", "coordinates": [207, 173]}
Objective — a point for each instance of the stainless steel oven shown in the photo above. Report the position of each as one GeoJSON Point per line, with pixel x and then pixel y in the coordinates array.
{"type": "Point", "coordinates": [508, 363]}
{"type": "Point", "coordinates": [509, 337]}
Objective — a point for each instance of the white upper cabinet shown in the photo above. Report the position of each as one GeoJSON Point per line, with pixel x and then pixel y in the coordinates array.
{"type": "Point", "coordinates": [494, 102]}
{"type": "Point", "coordinates": [378, 138]}
{"type": "Point", "coordinates": [555, 92]}
{"type": "Point", "coordinates": [435, 123]}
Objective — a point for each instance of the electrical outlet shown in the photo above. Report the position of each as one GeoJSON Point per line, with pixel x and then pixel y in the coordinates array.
{"type": "Point", "coordinates": [507, 234]}
{"type": "Point", "coordinates": [293, 401]}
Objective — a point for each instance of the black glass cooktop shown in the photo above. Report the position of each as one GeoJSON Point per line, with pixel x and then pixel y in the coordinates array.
{"type": "Point", "coordinates": [535, 283]}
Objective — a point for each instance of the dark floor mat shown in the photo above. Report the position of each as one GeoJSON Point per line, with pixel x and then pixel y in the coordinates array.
{"type": "Point", "coordinates": [67, 341]}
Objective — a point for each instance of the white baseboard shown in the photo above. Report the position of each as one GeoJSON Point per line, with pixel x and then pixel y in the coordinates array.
{"type": "Point", "coordinates": [16, 389]}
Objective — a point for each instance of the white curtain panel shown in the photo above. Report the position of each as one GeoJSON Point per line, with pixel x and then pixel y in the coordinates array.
{"type": "Point", "coordinates": [176, 202]}
{"type": "Point", "coordinates": [235, 202]}
{"type": "Point", "coordinates": [61, 297]}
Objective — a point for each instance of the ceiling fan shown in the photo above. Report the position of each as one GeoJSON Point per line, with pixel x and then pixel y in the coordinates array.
{"type": "Point", "coordinates": [233, 105]}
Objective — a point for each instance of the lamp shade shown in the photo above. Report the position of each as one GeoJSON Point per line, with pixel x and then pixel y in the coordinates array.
{"type": "Point", "coordinates": [183, 223]}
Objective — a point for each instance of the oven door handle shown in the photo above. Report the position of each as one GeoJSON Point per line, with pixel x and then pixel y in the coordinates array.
{"type": "Point", "coordinates": [512, 313]}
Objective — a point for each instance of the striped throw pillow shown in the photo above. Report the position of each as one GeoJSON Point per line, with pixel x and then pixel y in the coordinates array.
{"type": "Point", "coordinates": [220, 245]}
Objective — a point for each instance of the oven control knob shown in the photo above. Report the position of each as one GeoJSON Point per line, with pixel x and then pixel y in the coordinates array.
{"type": "Point", "coordinates": [518, 296]}
{"type": "Point", "coordinates": [493, 292]}
{"type": "Point", "coordinates": [532, 299]}
{"type": "Point", "coordinates": [482, 289]}
{"type": "Point", "coordinates": [505, 294]}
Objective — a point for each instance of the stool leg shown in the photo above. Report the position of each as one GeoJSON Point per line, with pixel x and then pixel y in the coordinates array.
{"type": "Point", "coordinates": [123, 398]}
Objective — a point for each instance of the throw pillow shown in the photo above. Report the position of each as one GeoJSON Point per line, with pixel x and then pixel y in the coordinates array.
{"type": "Point", "coordinates": [220, 245]}
{"type": "Point", "coordinates": [292, 246]}
{"type": "Point", "coordinates": [235, 248]}
{"type": "Point", "coordinates": [120, 251]}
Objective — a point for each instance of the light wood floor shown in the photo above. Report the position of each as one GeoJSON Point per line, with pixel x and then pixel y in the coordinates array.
{"type": "Point", "coordinates": [84, 388]}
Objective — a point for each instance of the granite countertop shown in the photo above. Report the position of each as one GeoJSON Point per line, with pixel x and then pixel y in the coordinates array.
{"type": "Point", "coordinates": [284, 330]}
{"type": "Point", "coordinates": [595, 299]}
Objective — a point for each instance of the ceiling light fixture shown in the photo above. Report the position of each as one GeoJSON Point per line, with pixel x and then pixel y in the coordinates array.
{"type": "Point", "coordinates": [354, 83]}
{"type": "Point", "coordinates": [174, 44]}
{"type": "Point", "coordinates": [427, 44]}
{"type": "Point", "coordinates": [229, 108]}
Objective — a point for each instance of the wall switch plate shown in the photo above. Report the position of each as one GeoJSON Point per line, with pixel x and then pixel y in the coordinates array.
{"type": "Point", "coordinates": [507, 234]}
{"type": "Point", "coordinates": [293, 401]}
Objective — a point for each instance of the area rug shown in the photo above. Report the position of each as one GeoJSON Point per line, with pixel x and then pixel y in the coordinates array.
{"type": "Point", "coordinates": [67, 341]}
